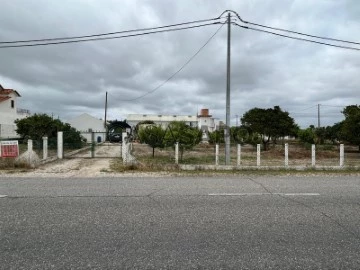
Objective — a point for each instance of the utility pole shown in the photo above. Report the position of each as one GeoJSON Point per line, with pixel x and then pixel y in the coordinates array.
{"type": "Point", "coordinates": [227, 126]}
{"type": "Point", "coordinates": [105, 126]}
{"type": "Point", "coordinates": [318, 115]}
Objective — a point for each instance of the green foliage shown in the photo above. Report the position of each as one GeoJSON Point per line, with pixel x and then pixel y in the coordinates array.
{"type": "Point", "coordinates": [186, 136]}
{"type": "Point", "coordinates": [37, 126]}
{"type": "Point", "coordinates": [350, 127]}
{"type": "Point", "coordinates": [307, 135]}
{"type": "Point", "coordinates": [138, 126]}
{"type": "Point", "coordinates": [216, 136]}
{"type": "Point", "coordinates": [152, 135]}
{"type": "Point", "coordinates": [270, 124]}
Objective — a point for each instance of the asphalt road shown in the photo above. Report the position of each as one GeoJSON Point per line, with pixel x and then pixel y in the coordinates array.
{"type": "Point", "coordinates": [274, 222]}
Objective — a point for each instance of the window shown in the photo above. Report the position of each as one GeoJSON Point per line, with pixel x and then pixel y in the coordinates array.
{"type": "Point", "coordinates": [12, 104]}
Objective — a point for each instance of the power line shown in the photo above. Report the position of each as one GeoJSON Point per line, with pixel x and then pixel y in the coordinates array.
{"type": "Point", "coordinates": [305, 109]}
{"type": "Point", "coordinates": [109, 33]}
{"type": "Point", "coordinates": [290, 31]}
{"type": "Point", "coordinates": [106, 38]}
{"type": "Point", "coordinates": [297, 38]}
{"type": "Point", "coordinates": [180, 69]}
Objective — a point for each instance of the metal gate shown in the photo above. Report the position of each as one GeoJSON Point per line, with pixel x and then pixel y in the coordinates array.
{"type": "Point", "coordinates": [93, 145]}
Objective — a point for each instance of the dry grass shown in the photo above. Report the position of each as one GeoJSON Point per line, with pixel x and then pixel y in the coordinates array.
{"type": "Point", "coordinates": [204, 154]}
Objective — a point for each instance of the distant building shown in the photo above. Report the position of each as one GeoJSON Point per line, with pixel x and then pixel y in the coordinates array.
{"type": "Point", "coordinates": [203, 121]}
{"type": "Point", "coordinates": [9, 112]}
{"type": "Point", "coordinates": [160, 119]}
{"type": "Point", "coordinates": [85, 123]}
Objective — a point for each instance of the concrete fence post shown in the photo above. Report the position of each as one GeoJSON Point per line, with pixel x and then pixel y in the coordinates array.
{"type": "Point", "coordinates": [60, 145]}
{"type": "Point", "coordinates": [216, 154]}
{"type": "Point", "coordinates": [177, 153]}
{"type": "Point", "coordinates": [92, 144]}
{"type": "Point", "coordinates": [342, 155]}
{"type": "Point", "coordinates": [45, 147]}
{"type": "Point", "coordinates": [30, 146]}
{"type": "Point", "coordinates": [238, 160]}
{"type": "Point", "coordinates": [29, 152]}
{"type": "Point", "coordinates": [313, 157]}
{"type": "Point", "coordinates": [258, 155]}
{"type": "Point", "coordinates": [123, 152]}
{"type": "Point", "coordinates": [286, 154]}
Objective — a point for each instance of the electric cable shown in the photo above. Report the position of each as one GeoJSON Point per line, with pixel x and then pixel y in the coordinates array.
{"type": "Point", "coordinates": [296, 38]}
{"type": "Point", "coordinates": [180, 69]}
{"type": "Point", "coordinates": [109, 33]}
{"type": "Point", "coordinates": [290, 31]}
{"type": "Point", "coordinates": [106, 38]}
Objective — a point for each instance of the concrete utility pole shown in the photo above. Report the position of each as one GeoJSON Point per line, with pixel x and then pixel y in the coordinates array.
{"type": "Point", "coordinates": [105, 110]}
{"type": "Point", "coordinates": [318, 115]}
{"type": "Point", "coordinates": [227, 127]}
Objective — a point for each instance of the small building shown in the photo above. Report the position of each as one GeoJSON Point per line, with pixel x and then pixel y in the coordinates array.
{"type": "Point", "coordinates": [160, 119]}
{"type": "Point", "coordinates": [203, 121]}
{"type": "Point", "coordinates": [9, 112]}
{"type": "Point", "coordinates": [85, 123]}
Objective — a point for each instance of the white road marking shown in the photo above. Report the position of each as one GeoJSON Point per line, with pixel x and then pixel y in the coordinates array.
{"type": "Point", "coordinates": [260, 194]}
{"type": "Point", "coordinates": [3, 196]}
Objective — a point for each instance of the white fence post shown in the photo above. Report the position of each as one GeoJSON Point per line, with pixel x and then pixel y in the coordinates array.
{"type": "Point", "coordinates": [313, 159]}
{"type": "Point", "coordinates": [123, 152]}
{"type": "Point", "coordinates": [286, 154]}
{"type": "Point", "coordinates": [60, 145]}
{"type": "Point", "coordinates": [30, 146]}
{"type": "Point", "coordinates": [238, 154]}
{"type": "Point", "coordinates": [177, 153]}
{"type": "Point", "coordinates": [45, 147]}
{"type": "Point", "coordinates": [216, 154]}
{"type": "Point", "coordinates": [342, 155]}
{"type": "Point", "coordinates": [258, 155]}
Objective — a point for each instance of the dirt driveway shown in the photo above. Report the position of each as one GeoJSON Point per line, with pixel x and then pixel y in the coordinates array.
{"type": "Point", "coordinates": [79, 165]}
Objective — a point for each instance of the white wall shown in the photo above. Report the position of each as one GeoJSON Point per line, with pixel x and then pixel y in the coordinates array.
{"type": "Point", "coordinates": [85, 121]}
{"type": "Point", "coordinates": [133, 119]}
{"type": "Point", "coordinates": [8, 131]}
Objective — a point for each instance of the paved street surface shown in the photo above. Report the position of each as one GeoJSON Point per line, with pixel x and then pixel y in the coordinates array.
{"type": "Point", "coordinates": [273, 222]}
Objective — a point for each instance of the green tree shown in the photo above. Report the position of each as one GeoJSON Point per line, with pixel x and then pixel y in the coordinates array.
{"type": "Point", "coordinates": [350, 127]}
{"type": "Point", "coordinates": [152, 135]}
{"type": "Point", "coordinates": [217, 136]}
{"type": "Point", "coordinates": [138, 126]}
{"type": "Point", "coordinates": [270, 124]}
{"type": "Point", "coordinates": [307, 135]}
{"type": "Point", "coordinates": [186, 136]}
{"type": "Point", "coordinates": [40, 125]}
{"type": "Point", "coordinates": [334, 133]}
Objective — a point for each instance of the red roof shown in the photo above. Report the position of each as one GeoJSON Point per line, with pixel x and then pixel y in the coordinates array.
{"type": "Point", "coordinates": [4, 91]}
{"type": "Point", "coordinates": [4, 98]}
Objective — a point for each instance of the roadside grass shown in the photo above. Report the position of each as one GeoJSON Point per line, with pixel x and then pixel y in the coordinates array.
{"type": "Point", "coordinates": [10, 164]}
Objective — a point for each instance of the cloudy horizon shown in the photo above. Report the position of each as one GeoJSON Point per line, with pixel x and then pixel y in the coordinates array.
{"type": "Point", "coordinates": [266, 70]}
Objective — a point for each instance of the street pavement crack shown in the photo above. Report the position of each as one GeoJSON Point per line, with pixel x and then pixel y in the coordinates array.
{"type": "Point", "coordinates": [327, 216]}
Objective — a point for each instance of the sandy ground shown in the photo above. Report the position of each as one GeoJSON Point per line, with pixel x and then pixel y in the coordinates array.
{"type": "Point", "coordinates": [82, 165]}
{"type": "Point", "coordinates": [79, 165]}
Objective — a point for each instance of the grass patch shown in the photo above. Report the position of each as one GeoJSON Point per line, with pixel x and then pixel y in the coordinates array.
{"type": "Point", "coordinates": [11, 164]}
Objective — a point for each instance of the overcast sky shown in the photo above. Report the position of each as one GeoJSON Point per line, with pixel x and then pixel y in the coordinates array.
{"type": "Point", "coordinates": [266, 70]}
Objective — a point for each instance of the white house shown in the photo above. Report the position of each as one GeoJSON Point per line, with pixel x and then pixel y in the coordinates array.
{"type": "Point", "coordinates": [9, 112]}
{"type": "Point", "coordinates": [160, 119]}
{"type": "Point", "coordinates": [203, 121]}
{"type": "Point", "coordinates": [85, 123]}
